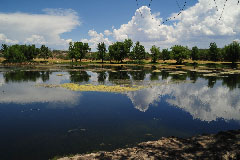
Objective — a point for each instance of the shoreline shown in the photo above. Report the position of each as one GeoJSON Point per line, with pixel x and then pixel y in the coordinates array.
{"type": "Point", "coordinates": [106, 62]}
{"type": "Point", "coordinates": [223, 145]}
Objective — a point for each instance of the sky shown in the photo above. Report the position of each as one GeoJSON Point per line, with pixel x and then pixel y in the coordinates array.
{"type": "Point", "coordinates": [55, 23]}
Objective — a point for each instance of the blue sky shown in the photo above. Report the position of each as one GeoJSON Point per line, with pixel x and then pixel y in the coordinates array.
{"type": "Point", "coordinates": [101, 15]}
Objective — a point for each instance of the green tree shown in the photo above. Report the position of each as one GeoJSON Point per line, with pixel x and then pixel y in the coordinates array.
{"type": "Point", "coordinates": [233, 51]}
{"type": "Point", "coordinates": [19, 53]}
{"type": "Point", "coordinates": [111, 51]}
{"type": "Point", "coordinates": [213, 51]}
{"type": "Point", "coordinates": [128, 45]}
{"type": "Point", "coordinates": [71, 52]}
{"type": "Point", "coordinates": [195, 53]}
{"type": "Point", "coordinates": [165, 54]}
{"type": "Point", "coordinates": [138, 51]}
{"type": "Point", "coordinates": [4, 48]}
{"type": "Point", "coordinates": [203, 54]}
{"type": "Point", "coordinates": [45, 52]}
{"type": "Point", "coordinates": [179, 53]}
{"type": "Point", "coordinates": [147, 55]}
{"type": "Point", "coordinates": [155, 53]}
{"type": "Point", "coordinates": [118, 51]}
{"type": "Point", "coordinates": [101, 51]}
{"type": "Point", "coordinates": [78, 50]}
{"type": "Point", "coordinates": [81, 49]}
{"type": "Point", "coordinates": [32, 52]}
{"type": "Point", "coordinates": [14, 53]}
{"type": "Point", "coordinates": [92, 56]}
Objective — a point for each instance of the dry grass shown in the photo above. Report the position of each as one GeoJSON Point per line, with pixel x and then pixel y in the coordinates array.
{"type": "Point", "coordinates": [52, 60]}
{"type": "Point", "coordinates": [55, 60]}
{"type": "Point", "coordinates": [1, 59]}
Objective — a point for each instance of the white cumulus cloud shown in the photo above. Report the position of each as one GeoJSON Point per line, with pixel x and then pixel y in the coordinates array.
{"type": "Point", "coordinates": [96, 38]}
{"type": "Point", "coordinates": [4, 39]}
{"type": "Point", "coordinates": [39, 29]}
{"type": "Point", "coordinates": [107, 33]}
{"type": "Point", "coordinates": [36, 39]}
{"type": "Point", "coordinates": [197, 25]}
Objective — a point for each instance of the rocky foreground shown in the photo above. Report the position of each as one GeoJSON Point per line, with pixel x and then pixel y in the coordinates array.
{"type": "Point", "coordinates": [224, 145]}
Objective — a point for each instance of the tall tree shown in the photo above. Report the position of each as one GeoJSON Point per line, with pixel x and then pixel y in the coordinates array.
{"type": "Point", "coordinates": [78, 50]}
{"type": "Point", "coordinates": [195, 53]}
{"type": "Point", "coordinates": [19, 53]}
{"type": "Point", "coordinates": [203, 54]}
{"type": "Point", "coordinates": [233, 51]}
{"type": "Point", "coordinates": [101, 51]}
{"type": "Point", "coordinates": [139, 51]}
{"type": "Point", "coordinates": [213, 51]}
{"type": "Point", "coordinates": [155, 53]}
{"type": "Point", "coordinates": [165, 54]}
{"type": "Point", "coordinates": [13, 53]}
{"type": "Point", "coordinates": [71, 51]}
{"type": "Point", "coordinates": [45, 52]}
{"type": "Point", "coordinates": [81, 50]}
{"type": "Point", "coordinates": [111, 51]}
{"type": "Point", "coordinates": [4, 48]}
{"type": "Point", "coordinates": [128, 45]}
{"type": "Point", "coordinates": [118, 51]}
{"type": "Point", "coordinates": [179, 53]}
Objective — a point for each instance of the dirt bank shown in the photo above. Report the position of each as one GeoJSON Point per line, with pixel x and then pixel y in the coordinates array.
{"type": "Point", "coordinates": [224, 145]}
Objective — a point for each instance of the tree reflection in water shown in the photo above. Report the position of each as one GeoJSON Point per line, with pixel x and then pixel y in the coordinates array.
{"type": "Point", "coordinates": [26, 76]}
{"type": "Point", "coordinates": [79, 76]}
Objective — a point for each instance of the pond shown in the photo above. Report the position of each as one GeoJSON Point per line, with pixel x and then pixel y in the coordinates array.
{"type": "Point", "coordinates": [110, 107]}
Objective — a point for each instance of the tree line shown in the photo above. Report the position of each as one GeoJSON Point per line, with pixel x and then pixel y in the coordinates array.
{"type": "Point", "coordinates": [22, 53]}
{"type": "Point", "coordinates": [119, 51]}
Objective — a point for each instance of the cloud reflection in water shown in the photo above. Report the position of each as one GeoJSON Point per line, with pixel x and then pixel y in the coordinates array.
{"type": "Point", "coordinates": [202, 102]}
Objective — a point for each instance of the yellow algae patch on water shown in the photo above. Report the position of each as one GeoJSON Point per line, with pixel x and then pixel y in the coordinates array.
{"type": "Point", "coordinates": [99, 88]}
{"type": "Point", "coordinates": [177, 72]}
{"type": "Point", "coordinates": [156, 71]}
{"type": "Point", "coordinates": [211, 75]}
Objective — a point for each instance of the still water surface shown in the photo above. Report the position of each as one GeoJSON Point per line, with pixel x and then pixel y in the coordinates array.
{"type": "Point", "coordinates": [40, 122]}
